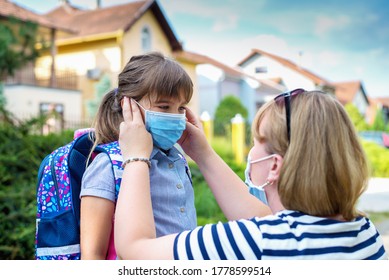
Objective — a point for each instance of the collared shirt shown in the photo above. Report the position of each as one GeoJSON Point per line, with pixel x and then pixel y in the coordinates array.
{"type": "Point", "coordinates": [171, 189]}
{"type": "Point", "coordinates": [285, 235]}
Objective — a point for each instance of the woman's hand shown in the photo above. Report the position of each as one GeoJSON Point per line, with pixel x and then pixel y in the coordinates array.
{"type": "Point", "coordinates": [193, 140]}
{"type": "Point", "coordinates": [134, 140]}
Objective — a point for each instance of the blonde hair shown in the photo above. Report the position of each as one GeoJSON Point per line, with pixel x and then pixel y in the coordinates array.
{"type": "Point", "coordinates": [151, 75]}
{"type": "Point", "coordinates": [324, 169]}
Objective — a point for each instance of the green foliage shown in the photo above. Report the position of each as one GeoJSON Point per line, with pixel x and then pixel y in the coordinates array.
{"type": "Point", "coordinates": [356, 117]}
{"type": "Point", "coordinates": [101, 88]}
{"type": "Point", "coordinates": [21, 152]}
{"type": "Point", "coordinates": [378, 158]}
{"type": "Point", "coordinates": [227, 109]}
{"type": "Point", "coordinates": [379, 122]}
{"type": "Point", "coordinates": [17, 45]}
{"type": "Point", "coordinates": [208, 211]}
{"type": "Point", "coordinates": [17, 48]}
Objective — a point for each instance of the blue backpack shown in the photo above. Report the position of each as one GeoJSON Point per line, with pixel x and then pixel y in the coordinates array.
{"type": "Point", "coordinates": [57, 234]}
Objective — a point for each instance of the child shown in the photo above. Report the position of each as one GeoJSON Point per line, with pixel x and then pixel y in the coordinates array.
{"type": "Point", "coordinates": [162, 87]}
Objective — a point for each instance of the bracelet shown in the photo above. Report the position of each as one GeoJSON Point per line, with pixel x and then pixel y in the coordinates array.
{"type": "Point", "coordinates": [134, 159]}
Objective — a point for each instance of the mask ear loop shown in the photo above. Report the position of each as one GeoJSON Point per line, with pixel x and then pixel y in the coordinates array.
{"type": "Point", "coordinates": [139, 105]}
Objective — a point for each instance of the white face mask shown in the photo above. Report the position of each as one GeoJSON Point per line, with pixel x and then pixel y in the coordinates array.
{"type": "Point", "coordinates": [257, 191]}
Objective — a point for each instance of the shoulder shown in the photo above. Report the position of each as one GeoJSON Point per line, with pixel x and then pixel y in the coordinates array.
{"type": "Point", "coordinates": [98, 179]}
{"type": "Point", "coordinates": [101, 160]}
{"type": "Point", "coordinates": [99, 167]}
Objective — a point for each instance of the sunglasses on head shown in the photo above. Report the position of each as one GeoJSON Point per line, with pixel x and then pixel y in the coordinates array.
{"type": "Point", "coordinates": [286, 97]}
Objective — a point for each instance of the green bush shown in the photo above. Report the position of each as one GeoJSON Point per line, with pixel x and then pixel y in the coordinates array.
{"type": "Point", "coordinates": [20, 155]}
{"type": "Point", "coordinates": [227, 109]}
{"type": "Point", "coordinates": [208, 211]}
{"type": "Point", "coordinates": [378, 158]}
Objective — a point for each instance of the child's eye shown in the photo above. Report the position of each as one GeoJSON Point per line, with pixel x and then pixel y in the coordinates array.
{"type": "Point", "coordinates": [163, 107]}
{"type": "Point", "coordinates": [182, 109]}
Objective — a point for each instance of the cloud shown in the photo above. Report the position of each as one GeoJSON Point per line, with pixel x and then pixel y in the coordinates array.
{"type": "Point", "coordinates": [223, 15]}
{"type": "Point", "coordinates": [270, 43]}
{"type": "Point", "coordinates": [326, 24]}
{"type": "Point", "coordinates": [330, 58]}
{"type": "Point", "coordinates": [225, 23]}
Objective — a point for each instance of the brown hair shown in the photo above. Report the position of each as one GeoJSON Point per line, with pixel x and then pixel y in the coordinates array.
{"type": "Point", "coordinates": [324, 169]}
{"type": "Point", "coordinates": [150, 75]}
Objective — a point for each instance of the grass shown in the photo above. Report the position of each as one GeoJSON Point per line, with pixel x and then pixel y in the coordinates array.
{"type": "Point", "coordinates": [378, 217]}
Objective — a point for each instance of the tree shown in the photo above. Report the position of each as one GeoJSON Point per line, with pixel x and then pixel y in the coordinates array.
{"type": "Point", "coordinates": [227, 109]}
{"type": "Point", "coordinates": [356, 117]}
{"type": "Point", "coordinates": [17, 48]}
{"type": "Point", "coordinates": [101, 88]}
{"type": "Point", "coordinates": [379, 121]}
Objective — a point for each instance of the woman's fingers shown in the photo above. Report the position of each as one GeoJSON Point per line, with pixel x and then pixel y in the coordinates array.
{"type": "Point", "coordinates": [127, 110]}
{"type": "Point", "coordinates": [192, 118]}
{"type": "Point", "coordinates": [136, 113]}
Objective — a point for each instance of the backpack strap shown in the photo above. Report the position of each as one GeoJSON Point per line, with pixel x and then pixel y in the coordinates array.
{"type": "Point", "coordinates": [77, 164]}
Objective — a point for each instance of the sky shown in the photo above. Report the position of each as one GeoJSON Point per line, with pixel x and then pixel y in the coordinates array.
{"type": "Point", "coordinates": [337, 40]}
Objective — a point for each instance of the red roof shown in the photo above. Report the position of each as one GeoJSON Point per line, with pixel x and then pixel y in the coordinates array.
{"type": "Point", "coordinates": [346, 91]}
{"type": "Point", "coordinates": [384, 101]}
{"type": "Point", "coordinates": [203, 59]}
{"type": "Point", "coordinates": [232, 71]}
{"type": "Point", "coordinates": [9, 9]}
{"type": "Point", "coordinates": [110, 19]}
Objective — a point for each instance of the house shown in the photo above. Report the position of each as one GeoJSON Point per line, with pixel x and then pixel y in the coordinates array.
{"type": "Point", "coordinates": [352, 92]}
{"type": "Point", "coordinates": [107, 38]}
{"type": "Point", "coordinates": [216, 80]}
{"type": "Point", "coordinates": [264, 65]}
{"type": "Point", "coordinates": [378, 103]}
{"type": "Point", "coordinates": [88, 45]}
{"type": "Point", "coordinates": [26, 93]}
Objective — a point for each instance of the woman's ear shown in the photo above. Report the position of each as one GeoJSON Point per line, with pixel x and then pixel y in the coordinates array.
{"type": "Point", "coordinates": [274, 173]}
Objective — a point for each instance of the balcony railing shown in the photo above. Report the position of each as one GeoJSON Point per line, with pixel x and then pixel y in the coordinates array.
{"type": "Point", "coordinates": [63, 79]}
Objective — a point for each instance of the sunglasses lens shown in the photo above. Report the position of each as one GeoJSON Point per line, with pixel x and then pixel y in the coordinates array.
{"type": "Point", "coordinates": [296, 92]}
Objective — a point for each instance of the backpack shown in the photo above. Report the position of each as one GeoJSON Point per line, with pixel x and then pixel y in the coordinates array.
{"type": "Point", "coordinates": [57, 235]}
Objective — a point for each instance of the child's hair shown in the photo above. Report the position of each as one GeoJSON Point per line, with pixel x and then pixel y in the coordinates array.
{"type": "Point", "coordinates": [151, 75]}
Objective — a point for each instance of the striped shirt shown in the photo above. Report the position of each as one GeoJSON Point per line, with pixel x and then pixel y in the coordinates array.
{"type": "Point", "coordinates": [285, 235]}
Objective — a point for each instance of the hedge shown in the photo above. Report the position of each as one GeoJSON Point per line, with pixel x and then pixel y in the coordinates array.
{"type": "Point", "coordinates": [20, 156]}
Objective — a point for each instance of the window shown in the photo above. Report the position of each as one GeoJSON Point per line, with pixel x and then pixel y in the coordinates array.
{"type": "Point", "coordinates": [146, 39]}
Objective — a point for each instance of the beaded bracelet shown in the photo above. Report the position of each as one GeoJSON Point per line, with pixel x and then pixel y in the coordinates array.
{"type": "Point", "coordinates": [133, 159]}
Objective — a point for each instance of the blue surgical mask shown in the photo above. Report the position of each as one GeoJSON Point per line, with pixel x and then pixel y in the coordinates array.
{"type": "Point", "coordinates": [165, 128]}
{"type": "Point", "coordinates": [257, 191]}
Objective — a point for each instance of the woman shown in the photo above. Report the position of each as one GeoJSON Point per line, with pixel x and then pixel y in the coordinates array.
{"type": "Point", "coordinates": [306, 162]}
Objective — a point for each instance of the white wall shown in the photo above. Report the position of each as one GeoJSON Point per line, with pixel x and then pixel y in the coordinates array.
{"type": "Point", "coordinates": [24, 101]}
{"type": "Point", "coordinates": [360, 102]}
{"type": "Point", "coordinates": [291, 78]}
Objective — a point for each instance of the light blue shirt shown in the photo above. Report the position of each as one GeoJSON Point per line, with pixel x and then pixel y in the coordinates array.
{"type": "Point", "coordinates": [170, 184]}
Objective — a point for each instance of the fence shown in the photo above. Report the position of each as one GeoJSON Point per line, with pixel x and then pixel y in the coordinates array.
{"type": "Point", "coordinates": [47, 123]}
{"type": "Point", "coordinates": [63, 79]}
